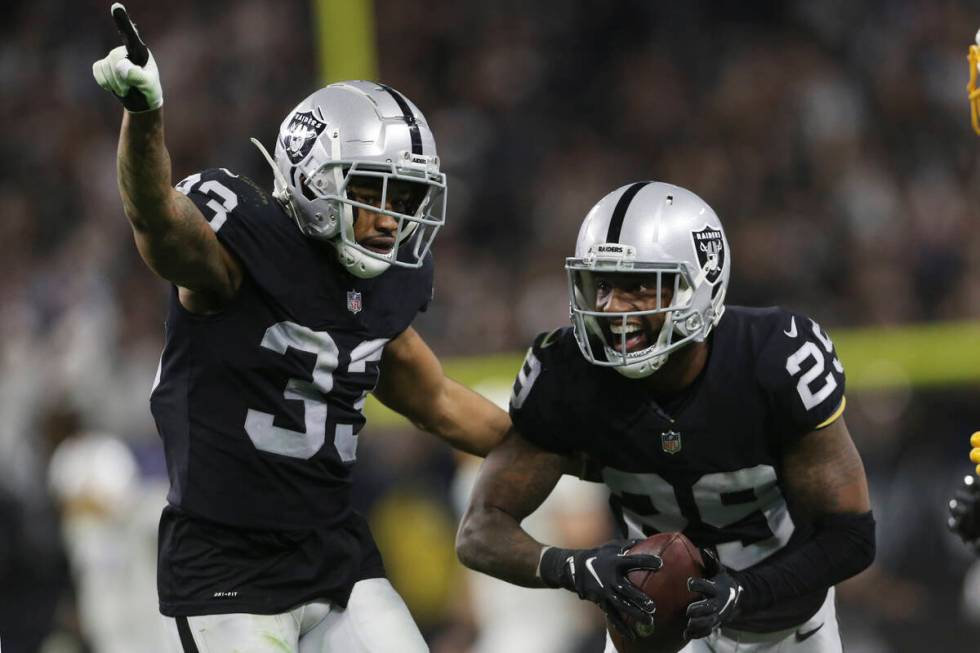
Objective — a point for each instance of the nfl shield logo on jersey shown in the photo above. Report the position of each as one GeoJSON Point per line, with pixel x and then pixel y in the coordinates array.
{"type": "Point", "coordinates": [670, 441]}
{"type": "Point", "coordinates": [354, 301]}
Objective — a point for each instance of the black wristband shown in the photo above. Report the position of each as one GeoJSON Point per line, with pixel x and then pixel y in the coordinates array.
{"type": "Point", "coordinates": [553, 570]}
{"type": "Point", "coordinates": [134, 101]}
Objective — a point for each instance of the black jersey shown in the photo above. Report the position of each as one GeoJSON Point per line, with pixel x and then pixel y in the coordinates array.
{"type": "Point", "coordinates": [260, 406]}
{"type": "Point", "coordinates": [706, 462]}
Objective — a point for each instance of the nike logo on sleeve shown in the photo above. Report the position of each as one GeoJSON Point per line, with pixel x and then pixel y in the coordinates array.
{"type": "Point", "coordinates": [792, 328]}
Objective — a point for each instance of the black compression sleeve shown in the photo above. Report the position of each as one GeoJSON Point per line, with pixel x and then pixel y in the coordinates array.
{"type": "Point", "coordinates": [842, 546]}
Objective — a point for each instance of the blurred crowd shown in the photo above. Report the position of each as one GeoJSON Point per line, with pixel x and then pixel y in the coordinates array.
{"type": "Point", "coordinates": [832, 138]}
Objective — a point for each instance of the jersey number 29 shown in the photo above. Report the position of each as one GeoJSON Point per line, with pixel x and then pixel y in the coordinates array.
{"type": "Point", "coordinates": [809, 395]}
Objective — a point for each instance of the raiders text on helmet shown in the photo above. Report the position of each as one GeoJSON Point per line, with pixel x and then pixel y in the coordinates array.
{"type": "Point", "coordinates": [663, 232]}
{"type": "Point", "coordinates": [354, 132]}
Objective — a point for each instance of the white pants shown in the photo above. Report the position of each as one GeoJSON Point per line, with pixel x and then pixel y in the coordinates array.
{"type": "Point", "coordinates": [818, 634]}
{"type": "Point", "coordinates": [376, 620]}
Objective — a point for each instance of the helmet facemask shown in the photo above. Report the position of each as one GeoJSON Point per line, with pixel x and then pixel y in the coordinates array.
{"type": "Point", "coordinates": [416, 202]}
{"type": "Point", "coordinates": [595, 329]}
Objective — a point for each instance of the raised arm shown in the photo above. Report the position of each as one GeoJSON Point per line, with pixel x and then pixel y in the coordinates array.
{"type": "Point", "coordinates": [413, 384]}
{"type": "Point", "coordinates": [172, 235]}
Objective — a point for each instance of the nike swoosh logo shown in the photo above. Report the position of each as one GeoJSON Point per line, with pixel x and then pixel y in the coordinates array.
{"type": "Point", "coordinates": [588, 565]}
{"type": "Point", "coordinates": [732, 597]}
{"type": "Point", "coordinates": [800, 635]}
{"type": "Point", "coordinates": [792, 328]}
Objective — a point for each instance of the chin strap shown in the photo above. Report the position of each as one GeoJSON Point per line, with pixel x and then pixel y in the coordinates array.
{"type": "Point", "coordinates": [280, 187]}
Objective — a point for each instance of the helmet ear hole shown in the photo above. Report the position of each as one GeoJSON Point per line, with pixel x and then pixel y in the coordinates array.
{"type": "Point", "coordinates": [305, 188]}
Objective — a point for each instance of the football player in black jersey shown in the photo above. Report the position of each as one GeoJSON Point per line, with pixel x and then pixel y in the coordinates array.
{"type": "Point", "coordinates": [284, 310]}
{"type": "Point", "coordinates": [964, 507]}
{"type": "Point", "coordinates": [723, 423]}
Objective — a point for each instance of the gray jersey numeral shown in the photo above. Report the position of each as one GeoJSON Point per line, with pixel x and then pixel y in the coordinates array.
{"type": "Point", "coordinates": [268, 437]}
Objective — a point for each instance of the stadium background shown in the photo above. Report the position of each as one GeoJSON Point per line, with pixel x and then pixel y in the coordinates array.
{"type": "Point", "coordinates": [832, 138]}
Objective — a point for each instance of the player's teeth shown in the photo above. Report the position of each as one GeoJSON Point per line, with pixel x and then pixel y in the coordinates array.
{"type": "Point", "coordinates": [619, 330]}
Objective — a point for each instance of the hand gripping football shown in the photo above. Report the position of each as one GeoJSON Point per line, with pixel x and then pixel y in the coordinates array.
{"type": "Point", "coordinates": [668, 587]}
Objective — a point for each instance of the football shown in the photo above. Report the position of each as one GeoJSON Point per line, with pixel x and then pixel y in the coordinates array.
{"type": "Point", "coordinates": [668, 587]}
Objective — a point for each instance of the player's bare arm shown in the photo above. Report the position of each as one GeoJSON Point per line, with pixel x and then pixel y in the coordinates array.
{"type": "Point", "coordinates": [413, 383]}
{"type": "Point", "coordinates": [515, 479]}
{"type": "Point", "coordinates": [172, 235]}
{"type": "Point", "coordinates": [824, 474]}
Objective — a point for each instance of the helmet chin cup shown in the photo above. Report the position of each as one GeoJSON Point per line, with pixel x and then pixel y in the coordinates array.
{"type": "Point", "coordinates": [355, 262]}
{"type": "Point", "coordinates": [642, 369]}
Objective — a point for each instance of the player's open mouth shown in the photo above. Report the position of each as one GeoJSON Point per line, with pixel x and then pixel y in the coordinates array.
{"type": "Point", "coordinates": [379, 244]}
{"type": "Point", "coordinates": [637, 336]}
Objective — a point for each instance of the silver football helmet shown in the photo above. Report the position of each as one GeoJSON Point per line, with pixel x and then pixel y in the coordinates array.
{"type": "Point", "coordinates": [673, 238]}
{"type": "Point", "coordinates": [352, 133]}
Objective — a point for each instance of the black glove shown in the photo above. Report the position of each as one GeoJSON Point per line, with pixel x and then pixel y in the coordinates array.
{"type": "Point", "coordinates": [599, 575]}
{"type": "Point", "coordinates": [721, 596]}
{"type": "Point", "coordinates": [964, 512]}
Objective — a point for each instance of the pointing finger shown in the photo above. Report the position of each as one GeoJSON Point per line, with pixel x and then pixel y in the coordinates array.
{"type": "Point", "coordinates": [135, 48]}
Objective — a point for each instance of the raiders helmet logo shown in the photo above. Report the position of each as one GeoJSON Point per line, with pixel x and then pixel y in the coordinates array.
{"type": "Point", "coordinates": [300, 134]}
{"type": "Point", "coordinates": [710, 246]}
